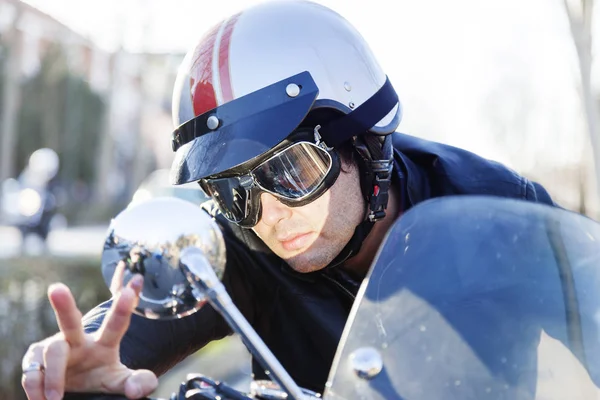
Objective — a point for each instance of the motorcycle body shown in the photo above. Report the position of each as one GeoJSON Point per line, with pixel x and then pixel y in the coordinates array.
{"type": "Point", "coordinates": [477, 298]}
{"type": "Point", "coordinates": [467, 298]}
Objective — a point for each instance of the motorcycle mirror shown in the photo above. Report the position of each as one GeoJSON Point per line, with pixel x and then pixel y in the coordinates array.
{"type": "Point", "coordinates": [180, 252]}
{"type": "Point", "coordinates": [153, 239]}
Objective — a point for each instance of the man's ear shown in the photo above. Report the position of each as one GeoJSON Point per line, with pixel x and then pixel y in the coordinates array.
{"type": "Point", "coordinates": [347, 158]}
{"type": "Point", "coordinates": [348, 165]}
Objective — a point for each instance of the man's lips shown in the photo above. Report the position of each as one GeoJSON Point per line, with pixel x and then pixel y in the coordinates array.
{"type": "Point", "coordinates": [295, 241]}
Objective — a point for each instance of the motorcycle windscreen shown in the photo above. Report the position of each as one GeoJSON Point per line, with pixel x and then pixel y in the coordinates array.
{"type": "Point", "coordinates": [477, 298]}
{"type": "Point", "coordinates": [247, 127]}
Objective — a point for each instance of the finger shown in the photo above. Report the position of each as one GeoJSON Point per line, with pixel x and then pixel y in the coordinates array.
{"type": "Point", "coordinates": [141, 383]}
{"type": "Point", "coordinates": [136, 283]}
{"type": "Point", "coordinates": [56, 355]}
{"type": "Point", "coordinates": [67, 314]}
{"type": "Point", "coordinates": [33, 384]}
{"type": "Point", "coordinates": [33, 381]}
{"type": "Point", "coordinates": [117, 319]}
{"type": "Point", "coordinates": [116, 283]}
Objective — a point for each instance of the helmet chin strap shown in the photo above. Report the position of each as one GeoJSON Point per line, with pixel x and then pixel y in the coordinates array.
{"type": "Point", "coordinates": [375, 164]}
{"type": "Point", "coordinates": [375, 161]}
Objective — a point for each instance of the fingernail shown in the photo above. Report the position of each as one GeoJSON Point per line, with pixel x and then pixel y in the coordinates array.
{"type": "Point", "coordinates": [53, 286]}
{"type": "Point", "coordinates": [136, 283]}
{"type": "Point", "coordinates": [137, 391]}
{"type": "Point", "coordinates": [52, 395]}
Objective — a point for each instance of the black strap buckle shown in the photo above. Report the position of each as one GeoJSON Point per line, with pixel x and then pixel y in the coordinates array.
{"type": "Point", "coordinates": [382, 171]}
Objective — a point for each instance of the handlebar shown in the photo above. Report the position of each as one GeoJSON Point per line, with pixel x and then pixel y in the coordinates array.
{"type": "Point", "coordinates": [100, 396]}
{"type": "Point", "coordinates": [197, 387]}
{"type": "Point", "coordinates": [200, 387]}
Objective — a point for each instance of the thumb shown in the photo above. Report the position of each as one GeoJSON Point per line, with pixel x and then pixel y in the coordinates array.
{"type": "Point", "coordinates": [140, 383]}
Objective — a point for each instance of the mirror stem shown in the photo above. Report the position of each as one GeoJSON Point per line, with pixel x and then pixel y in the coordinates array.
{"type": "Point", "coordinates": [202, 276]}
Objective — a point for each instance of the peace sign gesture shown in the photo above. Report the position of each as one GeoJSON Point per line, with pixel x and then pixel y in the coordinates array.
{"type": "Point", "coordinates": [74, 361]}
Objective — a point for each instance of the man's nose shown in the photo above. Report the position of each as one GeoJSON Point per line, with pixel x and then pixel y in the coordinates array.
{"type": "Point", "coordinates": [273, 210]}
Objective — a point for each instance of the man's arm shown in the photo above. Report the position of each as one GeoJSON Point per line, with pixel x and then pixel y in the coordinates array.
{"type": "Point", "coordinates": [158, 345]}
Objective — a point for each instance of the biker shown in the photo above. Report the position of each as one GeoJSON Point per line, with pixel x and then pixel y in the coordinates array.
{"type": "Point", "coordinates": [40, 175]}
{"type": "Point", "coordinates": [286, 119]}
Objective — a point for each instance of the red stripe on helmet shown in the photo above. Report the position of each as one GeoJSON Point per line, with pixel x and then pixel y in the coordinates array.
{"type": "Point", "coordinates": [224, 68]}
{"type": "Point", "coordinates": [201, 74]}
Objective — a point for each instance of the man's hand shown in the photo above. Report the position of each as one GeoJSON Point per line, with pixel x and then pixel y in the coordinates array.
{"type": "Point", "coordinates": [78, 362]}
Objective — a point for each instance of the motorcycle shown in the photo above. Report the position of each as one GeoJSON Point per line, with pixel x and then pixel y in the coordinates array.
{"type": "Point", "coordinates": [29, 203]}
{"type": "Point", "coordinates": [467, 298]}
{"type": "Point", "coordinates": [28, 207]}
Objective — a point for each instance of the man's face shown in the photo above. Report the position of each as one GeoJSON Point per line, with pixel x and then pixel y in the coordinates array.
{"type": "Point", "coordinates": [311, 236]}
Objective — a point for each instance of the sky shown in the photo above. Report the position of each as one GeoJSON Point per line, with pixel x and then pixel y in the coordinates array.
{"type": "Point", "coordinates": [467, 71]}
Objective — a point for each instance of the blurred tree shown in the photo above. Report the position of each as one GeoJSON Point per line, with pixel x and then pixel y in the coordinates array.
{"type": "Point", "coordinates": [508, 111]}
{"type": "Point", "coordinates": [579, 13]}
{"type": "Point", "coordinates": [60, 111]}
{"type": "Point", "coordinates": [10, 95]}
{"type": "Point", "coordinates": [3, 59]}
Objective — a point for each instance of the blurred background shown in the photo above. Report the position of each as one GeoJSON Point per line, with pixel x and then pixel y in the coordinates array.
{"type": "Point", "coordinates": [85, 123]}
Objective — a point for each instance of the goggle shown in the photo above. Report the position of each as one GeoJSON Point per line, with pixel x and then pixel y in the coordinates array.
{"type": "Point", "coordinates": [296, 175]}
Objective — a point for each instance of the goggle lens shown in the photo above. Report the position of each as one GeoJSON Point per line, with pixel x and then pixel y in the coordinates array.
{"type": "Point", "coordinates": [292, 174]}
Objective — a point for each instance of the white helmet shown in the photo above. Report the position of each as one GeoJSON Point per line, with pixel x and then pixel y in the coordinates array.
{"type": "Point", "coordinates": [260, 75]}
{"type": "Point", "coordinates": [274, 41]}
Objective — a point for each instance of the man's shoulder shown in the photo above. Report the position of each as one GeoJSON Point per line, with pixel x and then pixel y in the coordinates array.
{"type": "Point", "coordinates": [453, 162]}
{"type": "Point", "coordinates": [448, 170]}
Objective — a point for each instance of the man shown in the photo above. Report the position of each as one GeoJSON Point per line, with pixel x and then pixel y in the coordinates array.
{"type": "Point", "coordinates": [39, 176]}
{"type": "Point", "coordinates": [288, 122]}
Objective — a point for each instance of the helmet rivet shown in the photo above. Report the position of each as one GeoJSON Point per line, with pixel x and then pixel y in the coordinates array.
{"type": "Point", "coordinates": [351, 105]}
{"type": "Point", "coordinates": [212, 122]}
{"type": "Point", "coordinates": [347, 86]}
{"type": "Point", "coordinates": [292, 90]}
